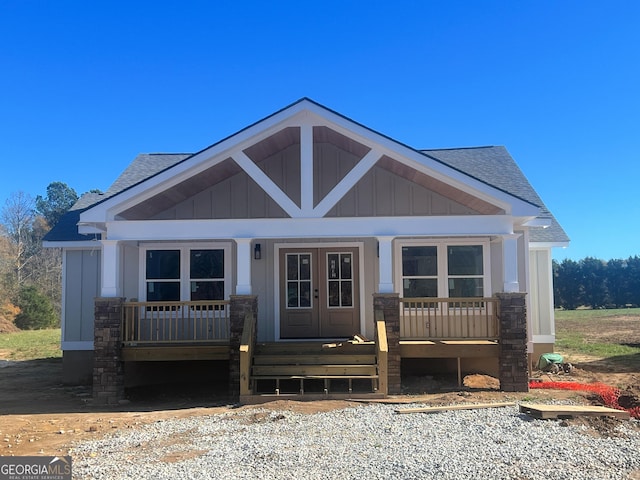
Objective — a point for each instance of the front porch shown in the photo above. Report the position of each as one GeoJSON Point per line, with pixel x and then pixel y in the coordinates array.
{"type": "Point", "coordinates": [417, 328]}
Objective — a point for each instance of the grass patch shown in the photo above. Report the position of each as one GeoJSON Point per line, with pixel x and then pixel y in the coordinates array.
{"type": "Point", "coordinates": [612, 335]}
{"type": "Point", "coordinates": [592, 315]}
{"type": "Point", "coordinates": [579, 343]}
{"type": "Point", "coordinates": [30, 344]}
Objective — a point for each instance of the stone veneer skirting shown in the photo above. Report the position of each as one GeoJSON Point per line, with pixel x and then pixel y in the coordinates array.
{"type": "Point", "coordinates": [513, 361]}
{"type": "Point", "coordinates": [108, 368]}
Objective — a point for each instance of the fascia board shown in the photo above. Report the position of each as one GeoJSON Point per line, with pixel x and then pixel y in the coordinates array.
{"type": "Point", "coordinates": [547, 245]}
{"type": "Point", "coordinates": [79, 245]}
{"type": "Point", "coordinates": [192, 230]}
{"type": "Point", "coordinates": [538, 222]}
{"type": "Point", "coordinates": [304, 111]}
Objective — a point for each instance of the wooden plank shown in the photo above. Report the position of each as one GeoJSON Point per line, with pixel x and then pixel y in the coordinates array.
{"type": "Point", "coordinates": [467, 406]}
{"type": "Point", "coordinates": [264, 398]}
{"type": "Point", "coordinates": [315, 349]}
{"type": "Point", "coordinates": [382, 351]}
{"type": "Point", "coordinates": [565, 411]}
{"type": "Point", "coordinates": [306, 370]}
{"type": "Point", "coordinates": [314, 359]}
{"type": "Point", "coordinates": [436, 349]}
{"type": "Point", "coordinates": [314, 377]}
{"type": "Point", "coordinates": [157, 354]}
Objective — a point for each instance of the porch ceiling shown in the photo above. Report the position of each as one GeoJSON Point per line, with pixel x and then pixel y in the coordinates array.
{"type": "Point", "coordinates": [277, 142]}
{"type": "Point", "coordinates": [180, 192]}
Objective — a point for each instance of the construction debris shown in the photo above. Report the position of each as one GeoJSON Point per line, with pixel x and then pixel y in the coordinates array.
{"type": "Point", "coordinates": [455, 407]}
{"type": "Point", "coordinates": [569, 411]}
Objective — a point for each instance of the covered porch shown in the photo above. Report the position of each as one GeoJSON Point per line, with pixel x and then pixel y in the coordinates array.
{"type": "Point", "coordinates": [459, 328]}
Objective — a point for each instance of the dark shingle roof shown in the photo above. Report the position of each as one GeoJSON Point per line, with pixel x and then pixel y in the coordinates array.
{"type": "Point", "coordinates": [495, 166]}
{"type": "Point", "coordinates": [491, 165]}
{"type": "Point", "coordinates": [143, 166]}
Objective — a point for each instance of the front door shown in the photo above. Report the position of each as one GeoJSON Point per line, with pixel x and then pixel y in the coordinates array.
{"type": "Point", "coordinates": [319, 292]}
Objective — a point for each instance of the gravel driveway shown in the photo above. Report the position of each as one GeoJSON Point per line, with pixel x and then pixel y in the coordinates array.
{"type": "Point", "coordinates": [367, 442]}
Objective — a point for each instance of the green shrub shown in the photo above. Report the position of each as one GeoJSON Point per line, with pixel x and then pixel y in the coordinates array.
{"type": "Point", "coordinates": [36, 310]}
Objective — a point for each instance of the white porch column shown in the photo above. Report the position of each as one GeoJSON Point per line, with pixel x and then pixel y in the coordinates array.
{"type": "Point", "coordinates": [385, 264]}
{"type": "Point", "coordinates": [110, 266]}
{"type": "Point", "coordinates": [510, 263]}
{"type": "Point", "coordinates": [243, 266]}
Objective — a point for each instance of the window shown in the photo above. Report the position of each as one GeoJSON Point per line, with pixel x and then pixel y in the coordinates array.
{"type": "Point", "coordinates": [340, 279]}
{"type": "Point", "coordinates": [163, 275]}
{"type": "Point", "coordinates": [206, 269]}
{"type": "Point", "coordinates": [465, 269]}
{"type": "Point", "coordinates": [419, 272]}
{"type": "Point", "coordinates": [299, 280]}
{"type": "Point", "coordinates": [442, 270]}
{"type": "Point", "coordinates": [175, 274]}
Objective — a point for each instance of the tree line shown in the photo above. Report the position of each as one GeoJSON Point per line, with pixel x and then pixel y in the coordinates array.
{"type": "Point", "coordinates": [30, 275]}
{"type": "Point", "coordinates": [595, 283]}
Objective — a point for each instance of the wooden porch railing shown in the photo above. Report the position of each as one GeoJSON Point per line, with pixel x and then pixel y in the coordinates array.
{"type": "Point", "coordinates": [145, 323]}
{"type": "Point", "coordinates": [382, 353]}
{"type": "Point", "coordinates": [449, 319]}
{"type": "Point", "coordinates": [247, 344]}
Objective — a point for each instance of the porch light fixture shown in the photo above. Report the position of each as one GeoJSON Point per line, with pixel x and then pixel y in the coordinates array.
{"type": "Point", "coordinates": [257, 252]}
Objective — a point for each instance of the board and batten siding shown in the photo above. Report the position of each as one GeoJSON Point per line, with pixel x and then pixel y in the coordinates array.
{"type": "Point", "coordinates": [263, 281]}
{"type": "Point", "coordinates": [541, 293]}
{"type": "Point", "coordinates": [81, 286]}
{"type": "Point", "coordinates": [383, 193]}
{"type": "Point", "coordinates": [379, 193]}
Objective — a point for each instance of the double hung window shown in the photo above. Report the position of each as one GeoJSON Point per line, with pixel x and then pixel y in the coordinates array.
{"type": "Point", "coordinates": [185, 273]}
{"type": "Point", "coordinates": [443, 270]}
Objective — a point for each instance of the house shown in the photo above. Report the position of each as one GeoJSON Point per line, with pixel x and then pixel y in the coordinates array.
{"type": "Point", "coordinates": [296, 234]}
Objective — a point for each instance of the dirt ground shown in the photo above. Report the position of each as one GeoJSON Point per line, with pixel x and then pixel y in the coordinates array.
{"type": "Point", "coordinates": [40, 416]}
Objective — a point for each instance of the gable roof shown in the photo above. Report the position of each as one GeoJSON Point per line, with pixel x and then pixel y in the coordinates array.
{"type": "Point", "coordinates": [492, 166]}
{"type": "Point", "coordinates": [142, 167]}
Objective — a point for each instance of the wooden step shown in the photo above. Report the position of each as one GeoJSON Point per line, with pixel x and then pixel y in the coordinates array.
{"type": "Point", "coordinates": [263, 398]}
{"type": "Point", "coordinates": [313, 370]}
{"type": "Point", "coordinates": [314, 359]}
{"type": "Point", "coordinates": [312, 348]}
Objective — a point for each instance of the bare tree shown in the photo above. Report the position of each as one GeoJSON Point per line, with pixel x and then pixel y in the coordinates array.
{"type": "Point", "coordinates": [18, 220]}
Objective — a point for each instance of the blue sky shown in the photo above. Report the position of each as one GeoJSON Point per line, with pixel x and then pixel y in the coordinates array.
{"type": "Point", "coordinates": [86, 86]}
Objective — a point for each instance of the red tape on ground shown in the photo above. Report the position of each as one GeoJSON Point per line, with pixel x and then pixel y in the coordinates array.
{"type": "Point", "coordinates": [609, 395]}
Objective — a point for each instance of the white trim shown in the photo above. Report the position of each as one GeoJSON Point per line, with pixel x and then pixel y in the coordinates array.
{"type": "Point", "coordinates": [268, 185]}
{"type": "Point", "coordinates": [538, 222]}
{"type": "Point", "coordinates": [302, 114]}
{"type": "Point", "coordinates": [347, 183]}
{"type": "Point", "coordinates": [385, 265]}
{"type": "Point", "coordinates": [546, 245]}
{"type": "Point", "coordinates": [276, 273]}
{"type": "Point", "coordinates": [84, 345]}
{"type": "Point", "coordinates": [423, 163]}
{"type": "Point", "coordinates": [243, 266]}
{"type": "Point", "coordinates": [510, 263]}
{"type": "Point", "coordinates": [110, 281]}
{"type": "Point", "coordinates": [443, 276]}
{"type": "Point", "coordinates": [63, 299]}
{"type": "Point", "coordinates": [306, 169]}
{"type": "Point", "coordinates": [544, 339]}
{"type": "Point", "coordinates": [312, 228]}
